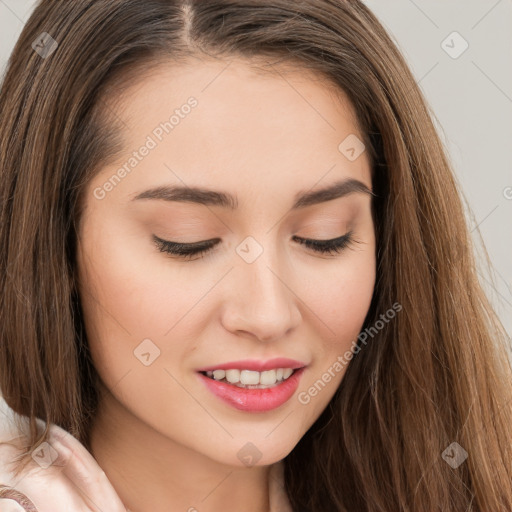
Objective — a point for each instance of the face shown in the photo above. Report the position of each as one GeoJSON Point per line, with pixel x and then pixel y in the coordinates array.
{"type": "Point", "coordinates": [249, 150]}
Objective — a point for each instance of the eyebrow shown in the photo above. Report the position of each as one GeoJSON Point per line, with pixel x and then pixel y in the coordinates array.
{"type": "Point", "coordinates": [208, 197]}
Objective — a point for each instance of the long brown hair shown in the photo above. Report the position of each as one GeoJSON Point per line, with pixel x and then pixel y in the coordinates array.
{"type": "Point", "coordinates": [437, 374]}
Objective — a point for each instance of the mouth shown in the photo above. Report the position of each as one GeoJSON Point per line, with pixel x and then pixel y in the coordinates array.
{"type": "Point", "coordinates": [261, 392]}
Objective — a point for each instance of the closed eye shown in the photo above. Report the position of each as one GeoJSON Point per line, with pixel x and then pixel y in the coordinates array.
{"type": "Point", "coordinates": [333, 246]}
{"type": "Point", "coordinates": [188, 250]}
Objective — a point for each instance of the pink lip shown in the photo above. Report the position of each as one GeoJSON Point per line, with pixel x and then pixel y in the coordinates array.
{"type": "Point", "coordinates": [254, 400]}
{"type": "Point", "coordinates": [255, 365]}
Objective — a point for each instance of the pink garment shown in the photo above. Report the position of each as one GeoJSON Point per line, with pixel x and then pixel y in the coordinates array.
{"type": "Point", "coordinates": [65, 477]}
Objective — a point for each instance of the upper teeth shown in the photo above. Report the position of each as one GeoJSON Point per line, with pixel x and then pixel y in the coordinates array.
{"type": "Point", "coordinates": [268, 377]}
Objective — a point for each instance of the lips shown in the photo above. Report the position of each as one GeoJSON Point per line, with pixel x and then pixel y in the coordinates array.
{"type": "Point", "coordinates": [256, 365]}
{"type": "Point", "coordinates": [254, 400]}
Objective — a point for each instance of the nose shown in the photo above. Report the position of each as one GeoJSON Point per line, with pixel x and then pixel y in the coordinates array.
{"type": "Point", "coordinates": [261, 301]}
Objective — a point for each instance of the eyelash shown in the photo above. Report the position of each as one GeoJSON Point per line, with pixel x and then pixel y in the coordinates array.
{"type": "Point", "coordinates": [187, 251]}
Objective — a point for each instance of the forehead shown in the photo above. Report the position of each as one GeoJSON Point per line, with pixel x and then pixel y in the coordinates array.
{"type": "Point", "coordinates": [264, 125]}
{"type": "Point", "coordinates": [237, 92]}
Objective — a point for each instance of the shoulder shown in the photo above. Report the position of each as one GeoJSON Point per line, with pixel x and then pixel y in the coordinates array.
{"type": "Point", "coordinates": [62, 465]}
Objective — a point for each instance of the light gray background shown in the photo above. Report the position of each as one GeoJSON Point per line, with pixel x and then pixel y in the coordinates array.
{"type": "Point", "coordinates": [470, 96]}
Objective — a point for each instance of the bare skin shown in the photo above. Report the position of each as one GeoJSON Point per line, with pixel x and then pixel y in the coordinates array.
{"type": "Point", "coordinates": [164, 440]}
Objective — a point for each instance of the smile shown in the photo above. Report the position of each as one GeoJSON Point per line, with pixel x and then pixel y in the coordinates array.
{"type": "Point", "coordinates": [253, 397]}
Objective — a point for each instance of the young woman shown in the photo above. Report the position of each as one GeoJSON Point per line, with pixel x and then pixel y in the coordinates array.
{"type": "Point", "coordinates": [235, 270]}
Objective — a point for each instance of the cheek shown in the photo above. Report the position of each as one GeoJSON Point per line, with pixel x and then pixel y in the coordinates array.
{"type": "Point", "coordinates": [340, 301]}
{"type": "Point", "coordinates": [129, 286]}
{"type": "Point", "coordinates": [350, 299]}
{"type": "Point", "coordinates": [130, 293]}
{"type": "Point", "coordinates": [342, 294]}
